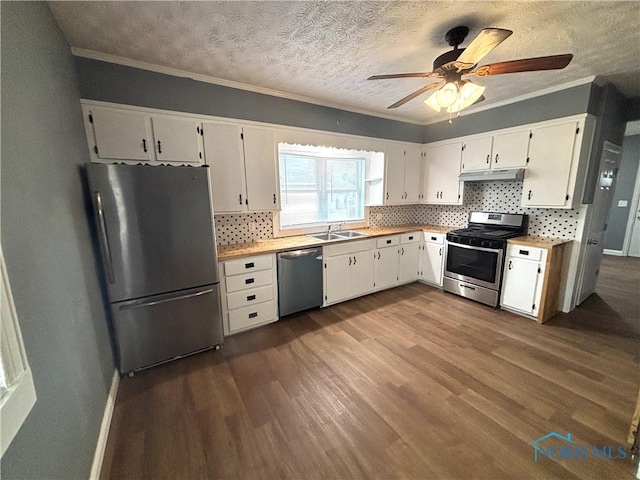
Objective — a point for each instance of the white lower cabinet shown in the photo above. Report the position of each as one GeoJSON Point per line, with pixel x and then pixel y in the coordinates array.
{"type": "Point", "coordinates": [523, 279]}
{"type": "Point", "coordinates": [386, 262]}
{"type": "Point", "coordinates": [249, 291]}
{"type": "Point", "coordinates": [409, 257]}
{"type": "Point", "coordinates": [348, 270]}
{"type": "Point", "coordinates": [432, 258]}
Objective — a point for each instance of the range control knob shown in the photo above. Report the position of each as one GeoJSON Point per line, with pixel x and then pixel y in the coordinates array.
{"type": "Point", "coordinates": [473, 241]}
{"type": "Point", "coordinates": [484, 243]}
{"type": "Point", "coordinates": [492, 244]}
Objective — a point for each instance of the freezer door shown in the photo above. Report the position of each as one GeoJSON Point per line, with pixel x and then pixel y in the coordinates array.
{"type": "Point", "coordinates": [160, 328]}
{"type": "Point", "coordinates": [155, 226]}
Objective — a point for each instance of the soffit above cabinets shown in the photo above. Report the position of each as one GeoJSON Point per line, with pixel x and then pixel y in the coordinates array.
{"type": "Point", "coordinates": [324, 51]}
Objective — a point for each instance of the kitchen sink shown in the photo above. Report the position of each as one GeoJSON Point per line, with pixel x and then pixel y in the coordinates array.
{"type": "Point", "coordinates": [325, 237]}
{"type": "Point", "coordinates": [351, 234]}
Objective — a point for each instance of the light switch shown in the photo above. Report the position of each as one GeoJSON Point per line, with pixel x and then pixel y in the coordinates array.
{"type": "Point", "coordinates": [622, 203]}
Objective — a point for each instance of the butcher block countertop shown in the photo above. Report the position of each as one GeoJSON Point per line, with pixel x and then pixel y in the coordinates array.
{"type": "Point", "coordinates": [275, 245]}
{"type": "Point", "coordinates": [540, 242]}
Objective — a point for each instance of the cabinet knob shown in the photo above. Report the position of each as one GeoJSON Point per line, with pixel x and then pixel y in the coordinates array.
{"type": "Point", "coordinates": [144, 145]}
{"type": "Point", "coordinates": [274, 199]}
{"type": "Point", "coordinates": [354, 260]}
{"type": "Point", "coordinates": [159, 147]}
{"type": "Point", "coordinates": [529, 196]}
{"type": "Point", "coordinates": [496, 158]}
{"type": "Point", "coordinates": [240, 199]}
{"type": "Point", "coordinates": [488, 156]}
{"type": "Point", "coordinates": [440, 253]}
{"type": "Point", "coordinates": [349, 261]}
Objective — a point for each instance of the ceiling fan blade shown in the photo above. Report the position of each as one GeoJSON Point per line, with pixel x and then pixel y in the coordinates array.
{"type": "Point", "coordinates": [487, 40]}
{"type": "Point", "coordinates": [407, 75]}
{"type": "Point", "coordinates": [415, 94]}
{"type": "Point", "coordinates": [553, 62]}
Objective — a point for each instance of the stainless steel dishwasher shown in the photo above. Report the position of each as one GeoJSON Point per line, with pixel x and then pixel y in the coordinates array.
{"type": "Point", "coordinates": [299, 280]}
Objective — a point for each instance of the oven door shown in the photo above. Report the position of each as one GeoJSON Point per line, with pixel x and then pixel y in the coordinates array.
{"type": "Point", "coordinates": [477, 265]}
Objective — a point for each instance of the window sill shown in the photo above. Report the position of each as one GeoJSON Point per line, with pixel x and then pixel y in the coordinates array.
{"type": "Point", "coordinates": [16, 404]}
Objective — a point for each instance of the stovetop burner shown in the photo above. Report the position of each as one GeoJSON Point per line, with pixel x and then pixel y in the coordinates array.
{"type": "Point", "coordinates": [490, 230]}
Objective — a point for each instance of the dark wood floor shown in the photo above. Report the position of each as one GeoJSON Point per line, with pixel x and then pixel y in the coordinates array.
{"type": "Point", "coordinates": [406, 383]}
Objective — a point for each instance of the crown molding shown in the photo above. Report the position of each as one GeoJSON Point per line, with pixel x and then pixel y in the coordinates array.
{"type": "Point", "coordinates": [520, 98]}
{"type": "Point", "coordinates": [106, 57]}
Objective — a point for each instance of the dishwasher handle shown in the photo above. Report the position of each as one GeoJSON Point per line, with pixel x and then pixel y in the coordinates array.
{"type": "Point", "coordinates": [302, 253]}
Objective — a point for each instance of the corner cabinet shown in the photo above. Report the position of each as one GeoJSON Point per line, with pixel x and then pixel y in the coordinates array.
{"type": "Point", "coordinates": [243, 167]}
{"type": "Point", "coordinates": [440, 184]}
{"type": "Point", "coordinates": [403, 164]}
{"type": "Point", "coordinates": [348, 270]}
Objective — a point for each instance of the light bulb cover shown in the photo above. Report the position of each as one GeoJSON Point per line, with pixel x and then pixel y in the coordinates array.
{"type": "Point", "coordinates": [432, 102]}
{"type": "Point", "coordinates": [447, 95]}
{"type": "Point", "coordinates": [469, 94]}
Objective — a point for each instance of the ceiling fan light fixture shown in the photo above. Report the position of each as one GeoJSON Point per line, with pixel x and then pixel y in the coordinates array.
{"type": "Point", "coordinates": [469, 94]}
{"type": "Point", "coordinates": [447, 95]}
{"type": "Point", "coordinates": [432, 102]}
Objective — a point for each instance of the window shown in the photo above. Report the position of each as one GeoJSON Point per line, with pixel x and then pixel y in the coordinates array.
{"type": "Point", "coordinates": [17, 392]}
{"type": "Point", "coordinates": [320, 186]}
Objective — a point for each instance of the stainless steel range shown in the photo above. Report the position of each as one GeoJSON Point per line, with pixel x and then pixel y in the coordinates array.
{"type": "Point", "coordinates": [475, 255]}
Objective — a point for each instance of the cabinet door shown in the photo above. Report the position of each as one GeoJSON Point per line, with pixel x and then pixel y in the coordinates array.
{"type": "Point", "coordinates": [394, 174]}
{"type": "Point", "coordinates": [432, 262]}
{"type": "Point", "coordinates": [409, 262]}
{"type": "Point", "coordinates": [386, 267]}
{"type": "Point", "coordinates": [546, 180]}
{"type": "Point", "coordinates": [337, 285]}
{"type": "Point", "coordinates": [510, 150]}
{"type": "Point", "coordinates": [223, 153]}
{"type": "Point", "coordinates": [442, 167]}
{"type": "Point", "coordinates": [476, 154]}
{"type": "Point", "coordinates": [362, 273]}
{"type": "Point", "coordinates": [412, 173]}
{"type": "Point", "coordinates": [520, 283]}
{"type": "Point", "coordinates": [121, 134]}
{"type": "Point", "coordinates": [176, 139]}
{"type": "Point", "coordinates": [260, 169]}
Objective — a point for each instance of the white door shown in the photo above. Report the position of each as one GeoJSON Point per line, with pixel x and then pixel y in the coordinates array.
{"type": "Point", "coordinates": [597, 218]}
{"type": "Point", "coordinates": [223, 153]}
{"type": "Point", "coordinates": [362, 273]}
{"type": "Point", "coordinates": [519, 285]}
{"type": "Point", "coordinates": [547, 176]}
{"type": "Point", "coordinates": [431, 263]}
{"type": "Point", "coordinates": [394, 174]}
{"type": "Point", "coordinates": [386, 267]}
{"type": "Point", "coordinates": [634, 245]}
{"type": "Point", "coordinates": [260, 169]}
{"type": "Point", "coordinates": [121, 134]}
{"type": "Point", "coordinates": [409, 262]}
{"type": "Point", "coordinates": [476, 154]}
{"type": "Point", "coordinates": [510, 150]}
{"type": "Point", "coordinates": [412, 173]}
{"type": "Point", "coordinates": [338, 278]}
{"type": "Point", "coordinates": [176, 139]}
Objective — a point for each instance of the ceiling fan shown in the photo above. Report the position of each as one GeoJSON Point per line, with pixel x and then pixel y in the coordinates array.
{"type": "Point", "coordinates": [455, 93]}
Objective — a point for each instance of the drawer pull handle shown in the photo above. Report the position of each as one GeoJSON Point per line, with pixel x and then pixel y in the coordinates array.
{"type": "Point", "coordinates": [249, 265]}
{"type": "Point", "coordinates": [434, 238]}
{"type": "Point", "coordinates": [253, 315]}
{"type": "Point", "coordinates": [249, 280]}
{"type": "Point", "coordinates": [251, 297]}
{"type": "Point", "coordinates": [388, 242]}
{"type": "Point", "coordinates": [524, 252]}
{"type": "Point", "coordinates": [411, 237]}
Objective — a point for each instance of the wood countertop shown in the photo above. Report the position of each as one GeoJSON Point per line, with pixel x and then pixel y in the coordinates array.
{"type": "Point", "coordinates": [540, 242]}
{"type": "Point", "coordinates": [275, 245]}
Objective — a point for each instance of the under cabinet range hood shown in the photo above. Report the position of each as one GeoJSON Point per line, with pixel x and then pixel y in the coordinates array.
{"type": "Point", "coordinates": [510, 174]}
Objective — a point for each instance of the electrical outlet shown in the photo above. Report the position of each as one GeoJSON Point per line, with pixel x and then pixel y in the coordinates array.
{"type": "Point", "coordinates": [623, 203]}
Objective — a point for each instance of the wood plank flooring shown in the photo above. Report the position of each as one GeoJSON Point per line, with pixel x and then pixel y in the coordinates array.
{"type": "Point", "coordinates": [406, 383]}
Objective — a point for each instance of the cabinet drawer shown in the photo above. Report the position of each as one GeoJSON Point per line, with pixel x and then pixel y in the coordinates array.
{"type": "Point", "coordinates": [248, 264]}
{"type": "Point", "coordinates": [387, 241]}
{"type": "Point", "coordinates": [249, 297]}
{"type": "Point", "coordinates": [530, 253]}
{"type": "Point", "coordinates": [249, 280]}
{"type": "Point", "coordinates": [346, 248]}
{"type": "Point", "coordinates": [410, 237]}
{"type": "Point", "coordinates": [434, 237]}
{"type": "Point", "coordinates": [252, 315]}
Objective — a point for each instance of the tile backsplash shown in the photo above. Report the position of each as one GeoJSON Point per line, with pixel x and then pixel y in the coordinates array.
{"type": "Point", "coordinates": [482, 196]}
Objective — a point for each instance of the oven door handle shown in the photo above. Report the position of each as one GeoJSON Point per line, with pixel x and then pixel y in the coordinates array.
{"type": "Point", "coordinates": [473, 247]}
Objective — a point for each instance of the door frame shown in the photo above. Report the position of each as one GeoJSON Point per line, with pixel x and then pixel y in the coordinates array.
{"type": "Point", "coordinates": [635, 199]}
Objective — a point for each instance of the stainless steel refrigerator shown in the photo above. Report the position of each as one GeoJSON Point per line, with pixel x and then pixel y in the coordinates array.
{"type": "Point", "coordinates": [157, 242]}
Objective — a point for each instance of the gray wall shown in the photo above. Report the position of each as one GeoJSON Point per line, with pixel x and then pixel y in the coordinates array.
{"type": "Point", "coordinates": [571, 101]}
{"type": "Point", "coordinates": [48, 249]}
{"type": "Point", "coordinates": [132, 86]}
{"type": "Point", "coordinates": [618, 216]}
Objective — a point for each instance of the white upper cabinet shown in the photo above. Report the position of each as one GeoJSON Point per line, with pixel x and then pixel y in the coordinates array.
{"type": "Point", "coordinates": [440, 183]}
{"type": "Point", "coordinates": [550, 175]}
{"type": "Point", "coordinates": [224, 155]}
{"type": "Point", "coordinates": [499, 151]}
{"type": "Point", "coordinates": [176, 139]}
{"type": "Point", "coordinates": [402, 177]}
{"type": "Point", "coordinates": [119, 134]}
{"type": "Point", "coordinates": [260, 157]}
{"type": "Point", "coordinates": [128, 135]}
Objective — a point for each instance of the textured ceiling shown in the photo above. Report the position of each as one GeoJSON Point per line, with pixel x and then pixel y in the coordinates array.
{"type": "Point", "coordinates": [326, 50]}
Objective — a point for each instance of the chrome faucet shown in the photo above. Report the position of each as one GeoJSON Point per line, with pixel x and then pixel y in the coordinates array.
{"type": "Point", "coordinates": [333, 228]}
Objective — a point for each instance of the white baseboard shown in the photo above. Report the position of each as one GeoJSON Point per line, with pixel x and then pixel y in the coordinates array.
{"type": "Point", "coordinates": [615, 253]}
{"type": "Point", "coordinates": [98, 456]}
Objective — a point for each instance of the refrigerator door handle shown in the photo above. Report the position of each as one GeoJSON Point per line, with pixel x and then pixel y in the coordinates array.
{"type": "Point", "coordinates": [104, 239]}
{"type": "Point", "coordinates": [171, 299]}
